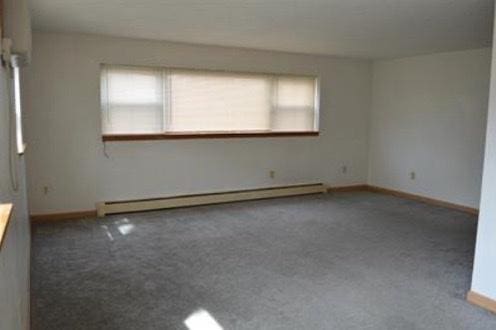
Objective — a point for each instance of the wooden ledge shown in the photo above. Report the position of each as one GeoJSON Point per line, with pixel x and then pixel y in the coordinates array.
{"type": "Point", "coordinates": [203, 135]}
{"type": "Point", "coordinates": [5, 215]}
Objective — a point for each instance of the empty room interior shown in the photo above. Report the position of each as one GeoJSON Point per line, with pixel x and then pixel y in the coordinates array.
{"type": "Point", "coordinates": [247, 164]}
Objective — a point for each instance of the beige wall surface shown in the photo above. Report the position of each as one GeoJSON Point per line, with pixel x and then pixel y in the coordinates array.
{"type": "Point", "coordinates": [64, 134]}
{"type": "Point", "coordinates": [483, 280]}
{"type": "Point", "coordinates": [429, 117]}
{"type": "Point", "coordinates": [15, 250]}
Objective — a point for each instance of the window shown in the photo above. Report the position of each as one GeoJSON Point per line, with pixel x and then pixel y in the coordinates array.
{"type": "Point", "coordinates": [161, 102]}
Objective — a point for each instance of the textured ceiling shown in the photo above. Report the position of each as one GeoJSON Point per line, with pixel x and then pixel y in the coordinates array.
{"type": "Point", "coordinates": [358, 28]}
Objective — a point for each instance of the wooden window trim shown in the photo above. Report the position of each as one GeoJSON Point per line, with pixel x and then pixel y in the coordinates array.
{"type": "Point", "coordinates": [202, 135]}
{"type": "Point", "coordinates": [5, 216]}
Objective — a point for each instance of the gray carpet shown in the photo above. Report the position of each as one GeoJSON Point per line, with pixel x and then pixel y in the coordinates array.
{"type": "Point", "coordinates": [343, 261]}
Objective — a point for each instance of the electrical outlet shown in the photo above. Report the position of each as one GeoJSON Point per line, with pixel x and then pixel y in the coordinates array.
{"type": "Point", "coordinates": [344, 169]}
{"type": "Point", "coordinates": [272, 174]}
{"type": "Point", "coordinates": [413, 175]}
{"type": "Point", "coordinates": [45, 190]}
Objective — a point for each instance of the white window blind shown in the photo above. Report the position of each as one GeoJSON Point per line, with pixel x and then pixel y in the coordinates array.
{"type": "Point", "coordinates": [132, 100]}
{"type": "Point", "coordinates": [138, 100]}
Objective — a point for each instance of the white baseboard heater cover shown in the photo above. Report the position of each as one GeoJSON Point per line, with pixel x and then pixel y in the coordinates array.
{"type": "Point", "coordinates": [105, 208]}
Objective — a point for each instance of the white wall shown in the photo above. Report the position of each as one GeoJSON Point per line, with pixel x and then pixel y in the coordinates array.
{"type": "Point", "coordinates": [14, 253]}
{"type": "Point", "coordinates": [63, 127]}
{"type": "Point", "coordinates": [484, 276]}
{"type": "Point", "coordinates": [429, 116]}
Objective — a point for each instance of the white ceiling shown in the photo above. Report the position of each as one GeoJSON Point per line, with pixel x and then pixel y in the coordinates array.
{"type": "Point", "coordinates": [358, 28]}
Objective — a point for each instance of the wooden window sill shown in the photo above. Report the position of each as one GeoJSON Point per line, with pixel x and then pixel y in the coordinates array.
{"type": "Point", "coordinates": [5, 215]}
{"type": "Point", "coordinates": [201, 135]}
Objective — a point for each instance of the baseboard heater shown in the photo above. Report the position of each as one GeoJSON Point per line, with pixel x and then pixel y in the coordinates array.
{"type": "Point", "coordinates": [105, 208]}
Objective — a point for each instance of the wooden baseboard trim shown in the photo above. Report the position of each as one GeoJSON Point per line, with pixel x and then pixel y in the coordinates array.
{"type": "Point", "coordinates": [104, 208]}
{"type": "Point", "coordinates": [244, 194]}
{"type": "Point", "coordinates": [481, 301]}
{"type": "Point", "coordinates": [405, 195]}
{"type": "Point", "coordinates": [356, 187]}
{"type": "Point", "coordinates": [423, 199]}
{"type": "Point", "coordinates": [38, 218]}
